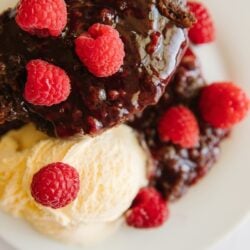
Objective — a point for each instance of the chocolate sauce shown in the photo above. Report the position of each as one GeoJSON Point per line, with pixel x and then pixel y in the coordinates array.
{"type": "Point", "coordinates": [176, 168]}
{"type": "Point", "coordinates": [95, 103]}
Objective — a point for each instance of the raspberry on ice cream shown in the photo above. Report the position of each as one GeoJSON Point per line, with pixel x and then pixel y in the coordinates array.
{"type": "Point", "coordinates": [111, 167]}
{"type": "Point", "coordinates": [42, 17]}
{"type": "Point", "coordinates": [55, 185]}
{"type": "Point", "coordinates": [154, 41]}
{"type": "Point", "coordinates": [46, 84]}
{"type": "Point", "coordinates": [101, 50]}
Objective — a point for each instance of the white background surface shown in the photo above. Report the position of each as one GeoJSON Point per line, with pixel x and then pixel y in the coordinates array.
{"type": "Point", "coordinates": [239, 240]}
{"type": "Point", "coordinates": [237, 56]}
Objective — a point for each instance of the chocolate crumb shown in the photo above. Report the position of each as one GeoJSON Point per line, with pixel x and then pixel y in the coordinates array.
{"type": "Point", "coordinates": [178, 14]}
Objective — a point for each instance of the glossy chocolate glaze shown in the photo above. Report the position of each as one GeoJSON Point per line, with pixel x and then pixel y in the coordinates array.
{"type": "Point", "coordinates": [176, 168]}
{"type": "Point", "coordinates": [153, 46]}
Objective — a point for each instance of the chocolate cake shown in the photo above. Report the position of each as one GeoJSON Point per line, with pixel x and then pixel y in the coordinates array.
{"type": "Point", "coordinates": [154, 39]}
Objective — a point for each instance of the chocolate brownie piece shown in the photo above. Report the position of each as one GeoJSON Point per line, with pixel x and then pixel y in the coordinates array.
{"type": "Point", "coordinates": [154, 44]}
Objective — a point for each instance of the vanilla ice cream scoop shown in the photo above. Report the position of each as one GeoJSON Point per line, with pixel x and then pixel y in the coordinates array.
{"type": "Point", "coordinates": [112, 169]}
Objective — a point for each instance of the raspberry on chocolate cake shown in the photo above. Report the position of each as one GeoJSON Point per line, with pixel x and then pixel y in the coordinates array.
{"type": "Point", "coordinates": [177, 167]}
{"type": "Point", "coordinates": [154, 41]}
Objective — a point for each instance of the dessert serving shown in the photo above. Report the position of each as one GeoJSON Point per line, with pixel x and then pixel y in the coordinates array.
{"type": "Point", "coordinates": [105, 116]}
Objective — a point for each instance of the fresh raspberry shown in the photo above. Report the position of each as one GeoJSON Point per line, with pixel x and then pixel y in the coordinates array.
{"type": "Point", "coordinates": [101, 50]}
{"type": "Point", "coordinates": [46, 84]}
{"type": "Point", "coordinates": [190, 53]}
{"type": "Point", "coordinates": [223, 104]}
{"type": "Point", "coordinates": [203, 31]}
{"type": "Point", "coordinates": [148, 209]}
{"type": "Point", "coordinates": [42, 17]}
{"type": "Point", "coordinates": [179, 125]}
{"type": "Point", "coordinates": [55, 185]}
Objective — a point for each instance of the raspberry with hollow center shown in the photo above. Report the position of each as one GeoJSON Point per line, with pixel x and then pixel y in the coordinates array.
{"type": "Point", "coordinates": [203, 31]}
{"type": "Point", "coordinates": [42, 17]}
{"type": "Point", "coordinates": [55, 185]}
{"type": "Point", "coordinates": [223, 104]}
{"type": "Point", "coordinates": [179, 125]}
{"type": "Point", "coordinates": [148, 210]}
{"type": "Point", "coordinates": [101, 50]}
{"type": "Point", "coordinates": [46, 84]}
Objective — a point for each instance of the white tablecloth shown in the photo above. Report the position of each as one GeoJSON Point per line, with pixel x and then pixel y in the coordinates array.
{"type": "Point", "coordinates": [238, 240]}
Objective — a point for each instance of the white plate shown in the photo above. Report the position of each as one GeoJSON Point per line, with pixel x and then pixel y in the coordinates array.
{"type": "Point", "coordinates": [221, 200]}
